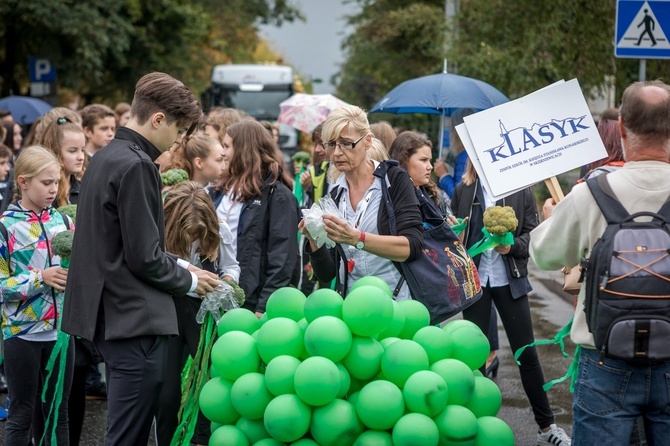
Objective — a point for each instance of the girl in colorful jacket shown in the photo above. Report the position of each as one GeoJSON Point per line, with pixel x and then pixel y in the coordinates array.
{"type": "Point", "coordinates": [31, 286]}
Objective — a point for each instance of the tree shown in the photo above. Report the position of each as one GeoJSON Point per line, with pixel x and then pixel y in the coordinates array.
{"type": "Point", "coordinates": [392, 41]}
{"type": "Point", "coordinates": [101, 47]}
{"type": "Point", "coordinates": [518, 46]}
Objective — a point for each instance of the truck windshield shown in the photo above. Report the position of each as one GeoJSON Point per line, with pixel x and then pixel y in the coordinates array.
{"type": "Point", "coordinates": [259, 104]}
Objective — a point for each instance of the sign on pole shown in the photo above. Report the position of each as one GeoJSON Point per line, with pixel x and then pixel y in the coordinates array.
{"type": "Point", "coordinates": [530, 139]}
{"type": "Point", "coordinates": [642, 29]}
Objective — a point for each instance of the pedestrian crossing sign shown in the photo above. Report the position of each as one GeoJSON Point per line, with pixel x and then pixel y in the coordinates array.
{"type": "Point", "coordinates": [642, 29]}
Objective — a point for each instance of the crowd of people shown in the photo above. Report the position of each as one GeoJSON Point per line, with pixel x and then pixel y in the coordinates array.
{"type": "Point", "coordinates": [145, 254]}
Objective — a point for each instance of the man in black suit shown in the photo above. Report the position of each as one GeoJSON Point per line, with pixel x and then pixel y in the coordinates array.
{"type": "Point", "coordinates": [121, 282]}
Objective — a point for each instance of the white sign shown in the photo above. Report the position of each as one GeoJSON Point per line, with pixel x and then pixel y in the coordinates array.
{"type": "Point", "coordinates": [523, 142]}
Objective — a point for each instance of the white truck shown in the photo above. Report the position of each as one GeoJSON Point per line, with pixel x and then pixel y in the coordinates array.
{"type": "Point", "coordinates": [257, 90]}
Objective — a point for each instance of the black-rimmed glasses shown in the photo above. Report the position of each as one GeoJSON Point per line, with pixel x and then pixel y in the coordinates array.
{"type": "Point", "coordinates": [344, 145]}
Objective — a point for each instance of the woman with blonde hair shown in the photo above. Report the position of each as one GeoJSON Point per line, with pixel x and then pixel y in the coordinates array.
{"type": "Point", "coordinates": [366, 245]}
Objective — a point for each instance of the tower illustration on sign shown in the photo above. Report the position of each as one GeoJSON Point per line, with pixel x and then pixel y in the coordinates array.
{"type": "Point", "coordinates": [644, 31]}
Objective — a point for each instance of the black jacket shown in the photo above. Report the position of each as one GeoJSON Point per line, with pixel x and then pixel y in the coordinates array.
{"type": "Point", "coordinates": [468, 201]}
{"type": "Point", "coordinates": [118, 262]}
{"type": "Point", "coordinates": [325, 262]}
{"type": "Point", "coordinates": [267, 250]}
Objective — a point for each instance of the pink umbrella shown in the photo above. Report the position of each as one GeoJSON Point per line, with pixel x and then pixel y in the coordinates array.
{"type": "Point", "coordinates": [305, 111]}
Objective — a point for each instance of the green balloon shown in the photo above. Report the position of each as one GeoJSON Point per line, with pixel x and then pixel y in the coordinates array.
{"type": "Point", "coordinates": [388, 341]}
{"type": "Point", "coordinates": [486, 398]}
{"type": "Point", "coordinates": [286, 302]}
{"type": "Point", "coordinates": [367, 310]}
{"type": "Point", "coordinates": [435, 342]}
{"type": "Point", "coordinates": [416, 317]}
{"type": "Point", "coordinates": [380, 405]}
{"type": "Point", "coordinates": [353, 397]}
{"type": "Point", "coordinates": [280, 373]}
{"type": "Point", "coordinates": [263, 319]}
{"type": "Point", "coordinates": [250, 396]}
{"type": "Point", "coordinates": [329, 337]}
{"type": "Point", "coordinates": [345, 381]}
{"type": "Point", "coordinates": [212, 372]}
{"type": "Point", "coordinates": [415, 429]}
{"type": "Point", "coordinates": [317, 381]}
{"type": "Point", "coordinates": [228, 436]}
{"type": "Point", "coordinates": [254, 430]}
{"type": "Point", "coordinates": [280, 336]}
{"type": "Point", "coordinates": [493, 431]}
{"type": "Point", "coordinates": [239, 319]}
{"type": "Point", "coordinates": [336, 423]}
{"type": "Point", "coordinates": [425, 392]}
{"type": "Point", "coordinates": [457, 426]}
{"type": "Point", "coordinates": [364, 358]}
{"type": "Point", "coordinates": [477, 373]}
{"type": "Point", "coordinates": [305, 442]}
{"type": "Point", "coordinates": [458, 323]}
{"type": "Point", "coordinates": [459, 378]}
{"type": "Point", "coordinates": [213, 425]}
{"type": "Point", "coordinates": [323, 302]}
{"type": "Point", "coordinates": [396, 325]}
{"type": "Point", "coordinates": [374, 438]}
{"type": "Point", "coordinates": [470, 345]}
{"type": "Point", "coordinates": [269, 442]}
{"type": "Point", "coordinates": [402, 359]}
{"type": "Point", "coordinates": [216, 402]}
{"type": "Point", "coordinates": [373, 281]}
{"type": "Point", "coordinates": [287, 418]}
{"type": "Point", "coordinates": [235, 354]}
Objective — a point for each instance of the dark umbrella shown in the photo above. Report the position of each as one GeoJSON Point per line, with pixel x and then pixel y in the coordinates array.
{"type": "Point", "coordinates": [25, 109]}
{"type": "Point", "coordinates": [439, 94]}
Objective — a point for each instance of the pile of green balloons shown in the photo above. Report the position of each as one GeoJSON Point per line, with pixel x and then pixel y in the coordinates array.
{"type": "Point", "coordinates": [364, 371]}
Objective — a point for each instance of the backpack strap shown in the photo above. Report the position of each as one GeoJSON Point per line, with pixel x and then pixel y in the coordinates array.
{"type": "Point", "coordinates": [3, 232]}
{"type": "Point", "coordinates": [609, 205]}
{"type": "Point", "coordinates": [66, 221]}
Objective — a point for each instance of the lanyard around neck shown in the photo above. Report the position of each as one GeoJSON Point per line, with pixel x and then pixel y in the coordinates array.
{"type": "Point", "coordinates": [361, 208]}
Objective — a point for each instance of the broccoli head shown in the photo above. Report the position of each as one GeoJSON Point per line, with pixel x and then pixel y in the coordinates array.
{"type": "Point", "coordinates": [238, 293]}
{"type": "Point", "coordinates": [301, 159]}
{"type": "Point", "coordinates": [70, 210]}
{"type": "Point", "coordinates": [500, 220]}
{"type": "Point", "coordinates": [174, 176]}
{"type": "Point", "coordinates": [61, 244]}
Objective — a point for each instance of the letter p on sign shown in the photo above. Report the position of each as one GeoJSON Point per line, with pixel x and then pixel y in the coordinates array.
{"type": "Point", "coordinates": [41, 70]}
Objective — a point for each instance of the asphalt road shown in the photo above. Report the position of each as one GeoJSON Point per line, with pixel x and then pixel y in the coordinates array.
{"type": "Point", "coordinates": [551, 310]}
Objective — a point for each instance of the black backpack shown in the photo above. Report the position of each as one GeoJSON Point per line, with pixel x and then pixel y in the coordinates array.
{"type": "Point", "coordinates": [627, 299]}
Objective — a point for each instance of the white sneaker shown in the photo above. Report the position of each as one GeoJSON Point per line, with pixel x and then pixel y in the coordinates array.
{"type": "Point", "coordinates": [555, 436]}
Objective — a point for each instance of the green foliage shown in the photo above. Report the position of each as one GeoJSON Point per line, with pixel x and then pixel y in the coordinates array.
{"type": "Point", "coordinates": [174, 176]}
{"type": "Point", "coordinates": [61, 244]}
{"type": "Point", "coordinates": [100, 48]}
{"type": "Point", "coordinates": [70, 210]}
{"type": "Point", "coordinates": [516, 46]}
{"type": "Point", "coordinates": [392, 41]}
{"type": "Point", "coordinates": [500, 219]}
{"type": "Point", "coordinates": [238, 293]}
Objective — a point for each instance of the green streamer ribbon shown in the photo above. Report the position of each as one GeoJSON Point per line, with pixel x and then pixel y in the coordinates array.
{"type": "Point", "coordinates": [490, 241]}
{"type": "Point", "coordinates": [59, 353]}
{"type": "Point", "coordinates": [560, 340]}
{"type": "Point", "coordinates": [460, 227]}
{"type": "Point", "coordinates": [192, 383]}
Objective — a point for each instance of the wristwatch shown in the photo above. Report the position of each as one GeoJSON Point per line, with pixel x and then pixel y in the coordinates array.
{"type": "Point", "coordinates": [361, 243]}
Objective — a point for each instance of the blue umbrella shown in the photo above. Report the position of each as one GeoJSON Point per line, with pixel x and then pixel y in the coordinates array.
{"type": "Point", "coordinates": [25, 109]}
{"type": "Point", "coordinates": [439, 94]}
